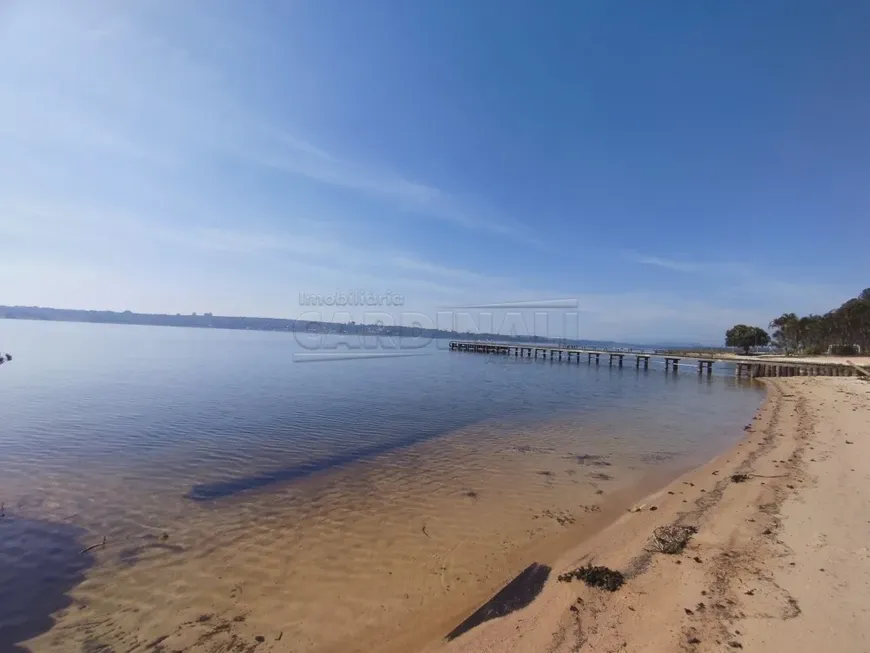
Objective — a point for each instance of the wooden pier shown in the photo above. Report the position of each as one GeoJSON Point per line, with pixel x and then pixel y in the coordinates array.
{"type": "Point", "coordinates": [747, 368]}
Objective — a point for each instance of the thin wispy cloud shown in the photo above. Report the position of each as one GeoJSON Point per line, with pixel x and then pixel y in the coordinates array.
{"type": "Point", "coordinates": [668, 264]}
{"type": "Point", "coordinates": [293, 156]}
{"type": "Point", "coordinates": [456, 274]}
{"type": "Point", "coordinates": [175, 110]}
{"type": "Point", "coordinates": [749, 283]}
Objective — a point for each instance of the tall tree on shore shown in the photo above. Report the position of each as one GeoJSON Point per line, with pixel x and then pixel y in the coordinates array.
{"type": "Point", "coordinates": [746, 337]}
{"type": "Point", "coordinates": [786, 331]}
{"type": "Point", "coordinates": [844, 328]}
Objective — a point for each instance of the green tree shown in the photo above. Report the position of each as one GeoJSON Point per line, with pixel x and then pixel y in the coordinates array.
{"type": "Point", "coordinates": [786, 331]}
{"type": "Point", "coordinates": [745, 337]}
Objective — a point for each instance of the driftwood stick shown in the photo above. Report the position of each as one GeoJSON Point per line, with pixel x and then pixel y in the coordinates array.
{"type": "Point", "coordinates": [859, 368]}
{"type": "Point", "coordinates": [94, 546]}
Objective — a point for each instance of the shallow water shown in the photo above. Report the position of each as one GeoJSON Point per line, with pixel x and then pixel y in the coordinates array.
{"type": "Point", "coordinates": [322, 499]}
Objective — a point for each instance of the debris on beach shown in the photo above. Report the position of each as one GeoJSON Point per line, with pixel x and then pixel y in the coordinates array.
{"type": "Point", "coordinates": [671, 539]}
{"type": "Point", "coordinates": [739, 478]}
{"type": "Point", "coordinates": [588, 459]}
{"type": "Point", "coordinates": [95, 546]}
{"type": "Point", "coordinates": [600, 577]}
{"type": "Point", "coordinates": [563, 518]}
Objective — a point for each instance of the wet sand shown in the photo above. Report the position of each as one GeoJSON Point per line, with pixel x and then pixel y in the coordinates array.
{"type": "Point", "coordinates": [779, 562]}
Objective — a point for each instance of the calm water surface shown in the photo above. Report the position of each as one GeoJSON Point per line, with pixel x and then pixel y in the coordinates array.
{"type": "Point", "coordinates": [223, 440]}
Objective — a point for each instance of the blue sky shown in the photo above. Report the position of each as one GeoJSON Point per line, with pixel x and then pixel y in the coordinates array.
{"type": "Point", "coordinates": [675, 167]}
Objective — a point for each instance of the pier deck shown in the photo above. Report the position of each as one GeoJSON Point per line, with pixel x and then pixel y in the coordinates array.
{"type": "Point", "coordinates": [748, 367]}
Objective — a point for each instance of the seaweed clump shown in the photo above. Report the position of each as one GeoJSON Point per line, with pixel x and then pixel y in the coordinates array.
{"type": "Point", "coordinates": [672, 539]}
{"type": "Point", "coordinates": [600, 577]}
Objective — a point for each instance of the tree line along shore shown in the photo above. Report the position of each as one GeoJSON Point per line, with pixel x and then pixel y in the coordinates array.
{"type": "Point", "coordinates": [843, 331]}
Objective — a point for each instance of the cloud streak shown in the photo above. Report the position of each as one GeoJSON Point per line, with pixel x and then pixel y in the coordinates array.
{"type": "Point", "coordinates": [668, 264]}
{"type": "Point", "coordinates": [293, 156]}
{"type": "Point", "coordinates": [149, 102]}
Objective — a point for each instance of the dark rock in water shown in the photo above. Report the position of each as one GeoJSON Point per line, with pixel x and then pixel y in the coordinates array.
{"type": "Point", "coordinates": [517, 594]}
{"type": "Point", "coordinates": [601, 577]}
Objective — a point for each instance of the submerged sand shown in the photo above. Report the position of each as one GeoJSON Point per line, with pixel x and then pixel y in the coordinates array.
{"type": "Point", "coordinates": [780, 561]}
{"type": "Point", "coordinates": [385, 554]}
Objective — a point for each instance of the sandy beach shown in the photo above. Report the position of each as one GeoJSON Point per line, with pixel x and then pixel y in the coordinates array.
{"type": "Point", "coordinates": [779, 562]}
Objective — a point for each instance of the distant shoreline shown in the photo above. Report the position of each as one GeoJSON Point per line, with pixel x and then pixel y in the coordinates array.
{"type": "Point", "coordinates": [210, 321]}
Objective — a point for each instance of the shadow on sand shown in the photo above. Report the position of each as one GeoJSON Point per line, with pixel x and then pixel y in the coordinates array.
{"type": "Point", "coordinates": [40, 562]}
{"type": "Point", "coordinates": [519, 593]}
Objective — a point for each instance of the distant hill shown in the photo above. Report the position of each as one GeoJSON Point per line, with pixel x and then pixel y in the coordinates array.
{"type": "Point", "coordinates": [209, 321]}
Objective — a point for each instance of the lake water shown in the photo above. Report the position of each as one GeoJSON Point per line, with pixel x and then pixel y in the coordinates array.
{"type": "Point", "coordinates": [322, 502]}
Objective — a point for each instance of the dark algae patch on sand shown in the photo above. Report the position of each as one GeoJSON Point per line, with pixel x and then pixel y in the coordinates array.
{"type": "Point", "coordinates": [517, 594]}
{"type": "Point", "coordinates": [601, 577]}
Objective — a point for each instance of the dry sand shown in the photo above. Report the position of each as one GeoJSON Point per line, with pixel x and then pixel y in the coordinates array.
{"type": "Point", "coordinates": [862, 361]}
{"type": "Point", "coordinates": [780, 561]}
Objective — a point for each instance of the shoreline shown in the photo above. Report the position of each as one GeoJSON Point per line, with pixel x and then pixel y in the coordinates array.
{"type": "Point", "coordinates": [741, 579]}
